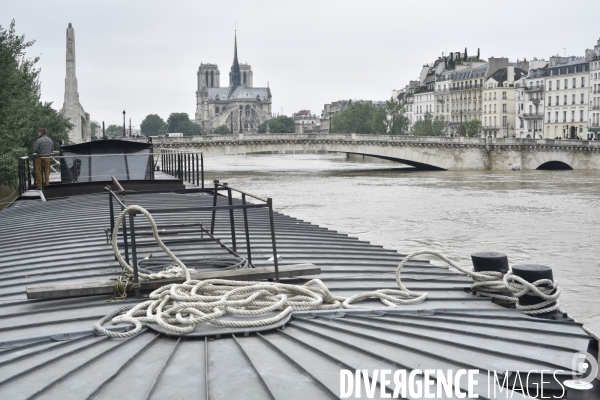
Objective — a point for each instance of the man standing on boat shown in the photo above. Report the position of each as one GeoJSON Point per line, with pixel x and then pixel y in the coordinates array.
{"type": "Point", "coordinates": [42, 149]}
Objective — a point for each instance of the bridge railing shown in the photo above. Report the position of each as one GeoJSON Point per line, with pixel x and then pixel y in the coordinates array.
{"type": "Point", "coordinates": [351, 137]}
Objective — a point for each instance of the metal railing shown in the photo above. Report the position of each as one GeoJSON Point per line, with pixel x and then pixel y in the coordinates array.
{"type": "Point", "coordinates": [534, 88]}
{"type": "Point", "coordinates": [129, 236]}
{"type": "Point", "coordinates": [183, 165]}
{"type": "Point", "coordinates": [533, 115]}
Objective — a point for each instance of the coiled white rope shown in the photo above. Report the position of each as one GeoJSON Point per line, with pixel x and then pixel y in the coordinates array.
{"type": "Point", "coordinates": [547, 289]}
{"type": "Point", "coordinates": [178, 308]}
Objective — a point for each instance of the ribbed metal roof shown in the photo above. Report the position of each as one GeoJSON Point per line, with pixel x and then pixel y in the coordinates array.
{"type": "Point", "coordinates": [48, 348]}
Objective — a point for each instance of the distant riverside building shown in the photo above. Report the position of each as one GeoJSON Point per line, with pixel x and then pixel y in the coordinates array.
{"type": "Point", "coordinates": [567, 95]}
{"type": "Point", "coordinates": [594, 101]}
{"type": "Point", "coordinates": [305, 122]}
{"type": "Point", "coordinates": [529, 119]}
{"type": "Point", "coordinates": [330, 109]}
{"type": "Point", "coordinates": [240, 106]}
{"type": "Point", "coordinates": [466, 92]}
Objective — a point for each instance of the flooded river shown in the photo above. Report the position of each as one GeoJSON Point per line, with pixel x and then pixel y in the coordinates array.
{"type": "Point", "coordinates": [544, 217]}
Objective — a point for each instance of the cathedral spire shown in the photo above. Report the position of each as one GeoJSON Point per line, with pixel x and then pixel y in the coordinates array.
{"type": "Point", "coordinates": [236, 79]}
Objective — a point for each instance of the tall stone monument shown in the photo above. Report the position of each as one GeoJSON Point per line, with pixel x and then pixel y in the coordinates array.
{"type": "Point", "coordinates": [72, 109]}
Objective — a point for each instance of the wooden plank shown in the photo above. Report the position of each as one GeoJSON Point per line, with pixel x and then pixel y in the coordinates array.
{"type": "Point", "coordinates": [108, 286]}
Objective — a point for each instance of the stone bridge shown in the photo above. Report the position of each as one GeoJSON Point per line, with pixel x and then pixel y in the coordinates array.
{"type": "Point", "coordinates": [428, 153]}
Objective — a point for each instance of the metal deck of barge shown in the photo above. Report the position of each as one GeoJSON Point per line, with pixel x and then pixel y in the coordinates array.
{"type": "Point", "coordinates": [48, 348]}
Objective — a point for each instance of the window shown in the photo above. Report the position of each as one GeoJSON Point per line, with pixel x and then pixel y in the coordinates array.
{"type": "Point", "coordinates": [557, 102]}
{"type": "Point", "coordinates": [565, 103]}
{"type": "Point", "coordinates": [572, 116]}
{"type": "Point", "coordinates": [216, 110]}
{"type": "Point", "coordinates": [574, 82]}
{"type": "Point", "coordinates": [580, 128]}
{"type": "Point", "coordinates": [548, 119]}
{"type": "Point", "coordinates": [494, 95]}
{"type": "Point", "coordinates": [504, 122]}
{"type": "Point", "coordinates": [580, 115]}
{"type": "Point", "coordinates": [494, 109]}
{"type": "Point", "coordinates": [566, 83]}
{"type": "Point", "coordinates": [557, 84]}
{"type": "Point", "coordinates": [583, 81]}
{"type": "Point", "coordinates": [549, 100]}
{"type": "Point", "coordinates": [556, 130]}
{"type": "Point", "coordinates": [504, 108]}
{"type": "Point", "coordinates": [564, 116]}
{"type": "Point", "coordinates": [485, 109]}
{"type": "Point", "coordinates": [503, 95]}
{"type": "Point", "coordinates": [549, 85]}
{"type": "Point", "coordinates": [573, 99]}
{"type": "Point", "coordinates": [556, 116]}
{"type": "Point", "coordinates": [582, 97]}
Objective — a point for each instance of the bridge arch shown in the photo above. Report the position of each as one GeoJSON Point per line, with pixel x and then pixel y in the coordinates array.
{"type": "Point", "coordinates": [554, 165]}
{"type": "Point", "coordinates": [417, 165]}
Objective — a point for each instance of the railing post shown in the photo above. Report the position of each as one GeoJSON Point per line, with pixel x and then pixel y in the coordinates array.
{"type": "Point", "coordinates": [28, 182]}
{"type": "Point", "coordinates": [112, 213]}
{"type": "Point", "coordinates": [231, 219]}
{"type": "Point", "coordinates": [247, 231]}
{"type": "Point", "coordinates": [125, 244]}
{"type": "Point", "coordinates": [202, 168]}
{"type": "Point", "coordinates": [136, 279]}
{"type": "Point", "coordinates": [214, 213]}
{"type": "Point", "coordinates": [272, 223]}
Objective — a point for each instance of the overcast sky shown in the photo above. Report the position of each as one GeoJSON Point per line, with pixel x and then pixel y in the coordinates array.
{"type": "Point", "coordinates": [143, 56]}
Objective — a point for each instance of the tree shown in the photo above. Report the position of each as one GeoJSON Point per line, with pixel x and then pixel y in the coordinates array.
{"type": "Point", "coordinates": [277, 125]}
{"type": "Point", "coordinates": [152, 125]}
{"type": "Point", "coordinates": [94, 127]}
{"type": "Point", "coordinates": [429, 126]}
{"type": "Point", "coordinates": [180, 123]}
{"type": "Point", "coordinates": [222, 130]}
{"type": "Point", "coordinates": [114, 131]}
{"type": "Point", "coordinates": [471, 128]}
{"type": "Point", "coordinates": [21, 112]}
{"type": "Point", "coordinates": [396, 121]}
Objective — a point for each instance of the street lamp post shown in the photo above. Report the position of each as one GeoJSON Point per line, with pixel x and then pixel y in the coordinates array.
{"type": "Point", "coordinates": [124, 131]}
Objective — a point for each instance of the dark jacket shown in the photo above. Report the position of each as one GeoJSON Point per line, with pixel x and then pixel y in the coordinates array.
{"type": "Point", "coordinates": [43, 146]}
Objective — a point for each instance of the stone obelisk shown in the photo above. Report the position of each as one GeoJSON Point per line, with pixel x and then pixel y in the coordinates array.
{"type": "Point", "coordinates": [72, 109]}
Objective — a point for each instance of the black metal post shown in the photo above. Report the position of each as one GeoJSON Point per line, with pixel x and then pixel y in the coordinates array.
{"type": "Point", "coordinates": [231, 220]}
{"type": "Point", "coordinates": [247, 231]}
{"type": "Point", "coordinates": [112, 213]}
{"type": "Point", "coordinates": [134, 256]}
{"type": "Point", "coordinates": [212, 222]}
{"type": "Point", "coordinates": [197, 170]}
{"type": "Point", "coordinates": [125, 240]}
{"type": "Point", "coordinates": [28, 181]}
{"type": "Point", "coordinates": [275, 261]}
{"type": "Point", "coordinates": [202, 168]}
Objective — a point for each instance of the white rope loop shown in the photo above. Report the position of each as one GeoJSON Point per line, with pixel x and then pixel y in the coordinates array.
{"type": "Point", "coordinates": [179, 308]}
{"type": "Point", "coordinates": [546, 289]}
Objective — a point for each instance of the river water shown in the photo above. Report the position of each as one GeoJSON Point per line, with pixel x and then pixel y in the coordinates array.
{"type": "Point", "coordinates": [542, 217]}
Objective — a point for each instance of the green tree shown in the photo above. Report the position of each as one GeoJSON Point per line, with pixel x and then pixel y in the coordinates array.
{"type": "Point", "coordinates": [396, 121]}
{"type": "Point", "coordinates": [471, 128]}
{"type": "Point", "coordinates": [180, 123]}
{"type": "Point", "coordinates": [277, 125]}
{"type": "Point", "coordinates": [94, 127]}
{"type": "Point", "coordinates": [114, 130]}
{"type": "Point", "coordinates": [429, 126]}
{"type": "Point", "coordinates": [152, 125]}
{"type": "Point", "coordinates": [21, 112]}
{"type": "Point", "coordinates": [222, 130]}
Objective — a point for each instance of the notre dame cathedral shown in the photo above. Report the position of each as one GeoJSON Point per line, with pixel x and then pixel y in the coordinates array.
{"type": "Point", "coordinates": [241, 107]}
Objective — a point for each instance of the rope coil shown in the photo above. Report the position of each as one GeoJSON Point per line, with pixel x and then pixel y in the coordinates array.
{"type": "Point", "coordinates": [178, 308]}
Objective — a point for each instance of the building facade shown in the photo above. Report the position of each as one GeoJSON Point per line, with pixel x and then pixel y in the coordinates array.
{"type": "Point", "coordinates": [305, 122]}
{"type": "Point", "coordinates": [466, 94]}
{"type": "Point", "coordinates": [529, 119]}
{"type": "Point", "coordinates": [594, 104]}
{"type": "Point", "coordinates": [241, 107]}
{"type": "Point", "coordinates": [567, 95]}
{"type": "Point", "coordinates": [499, 102]}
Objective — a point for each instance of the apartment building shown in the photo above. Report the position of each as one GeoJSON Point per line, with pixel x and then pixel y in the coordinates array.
{"type": "Point", "coordinates": [593, 57]}
{"type": "Point", "coordinates": [567, 95]}
{"type": "Point", "coordinates": [466, 94]}
{"type": "Point", "coordinates": [442, 96]}
{"type": "Point", "coordinates": [529, 104]}
{"type": "Point", "coordinates": [499, 102]}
